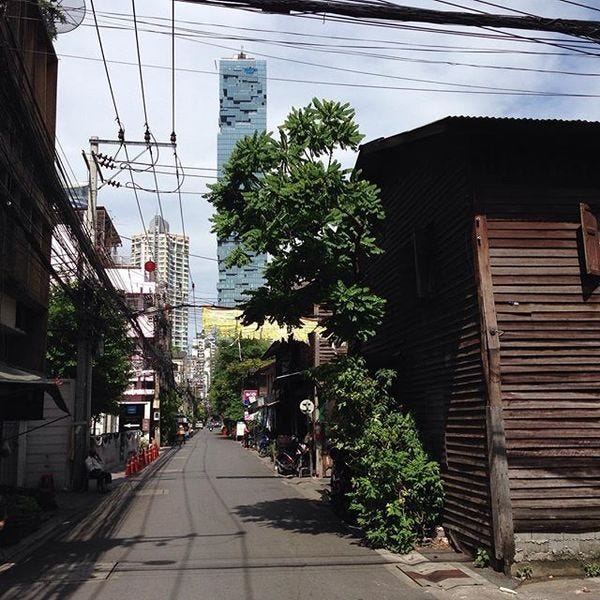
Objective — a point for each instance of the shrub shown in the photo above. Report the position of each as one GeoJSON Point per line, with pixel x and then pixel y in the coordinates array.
{"type": "Point", "coordinates": [482, 558]}
{"type": "Point", "coordinates": [396, 492]}
{"type": "Point", "coordinates": [592, 569]}
{"type": "Point", "coordinates": [20, 506]}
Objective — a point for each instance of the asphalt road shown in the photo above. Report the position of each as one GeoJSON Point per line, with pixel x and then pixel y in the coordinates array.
{"type": "Point", "coordinates": [212, 523]}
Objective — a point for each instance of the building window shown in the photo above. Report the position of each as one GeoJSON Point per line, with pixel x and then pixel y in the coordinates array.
{"type": "Point", "coordinates": [589, 234]}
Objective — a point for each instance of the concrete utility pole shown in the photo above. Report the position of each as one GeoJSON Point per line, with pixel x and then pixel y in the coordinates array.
{"type": "Point", "coordinates": [392, 12]}
{"type": "Point", "coordinates": [85, 344]}
{"type": "Point", "coordinates": [83, 378]}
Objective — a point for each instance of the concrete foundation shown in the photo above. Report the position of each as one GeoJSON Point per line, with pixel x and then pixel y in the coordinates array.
{"type": "Point", "coordinates": [553, 547]}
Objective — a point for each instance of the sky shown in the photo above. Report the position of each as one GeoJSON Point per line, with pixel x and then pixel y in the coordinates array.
{"type": "Point", "coordinates": [397, 78]}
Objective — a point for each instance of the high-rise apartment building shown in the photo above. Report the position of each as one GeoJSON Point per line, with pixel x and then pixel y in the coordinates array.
{"type": "Point", "coordinates": [243, 110]}
{"type": "Point", "coordinates": [171, 254]}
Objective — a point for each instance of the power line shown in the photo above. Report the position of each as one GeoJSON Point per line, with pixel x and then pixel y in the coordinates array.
{"type": "Point", "coordinates": [121, 133]}
{"type": "Point", "coordinates": [395, 12]}
{"type": "Point", "coordinates": [580, 5]}
{"type": "Point", "coordinates": [491, 92]}
{"type": "Point", "coordinates": [147, 135]}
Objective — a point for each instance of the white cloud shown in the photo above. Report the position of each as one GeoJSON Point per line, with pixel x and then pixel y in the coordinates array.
{"type": "Point", "coordinates": [85, 107]}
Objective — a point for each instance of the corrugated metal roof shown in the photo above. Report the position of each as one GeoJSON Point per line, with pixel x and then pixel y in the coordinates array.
{"type": "Point", "coordinates": [450, 123]}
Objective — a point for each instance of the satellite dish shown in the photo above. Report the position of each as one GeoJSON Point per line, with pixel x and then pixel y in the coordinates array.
{"type": "Point", "coordinates": [73, 12]}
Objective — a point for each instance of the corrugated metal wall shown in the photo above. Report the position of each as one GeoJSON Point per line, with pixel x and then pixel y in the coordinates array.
{"type": "Point", "coordinates": [549, 320]}
{"type": "Point", "coordinates": [431, 332]}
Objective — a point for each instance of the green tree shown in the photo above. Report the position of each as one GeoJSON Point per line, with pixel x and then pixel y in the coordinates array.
{"type": "Point", "coordinates": [170, 407]}
{"type": "Point", "coordinates": [289, 196]}
{"type": "Point", "coordinates": [397, 493]}
{"type": "Point", "coordinates": [235, 361]}
{"type": "Point", "coordinates": [111, 364]}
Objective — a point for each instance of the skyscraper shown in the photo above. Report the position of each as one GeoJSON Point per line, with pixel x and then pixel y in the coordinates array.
{"type": "Point", "coordinates": [171, 253]}
{"type": "Point", "coordinates": [243, 110]}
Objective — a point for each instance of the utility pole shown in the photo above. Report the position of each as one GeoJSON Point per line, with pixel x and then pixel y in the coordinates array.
{"type": "Point", "coordinates": [83, 377]}
{"type": "Point", "coordinates": [85, 344]}
{"type": "Point", "coordinates": [393, 12]}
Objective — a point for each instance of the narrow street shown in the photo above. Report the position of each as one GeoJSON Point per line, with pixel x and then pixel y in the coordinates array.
{"type": "Point", "coordinates": [213, 522]}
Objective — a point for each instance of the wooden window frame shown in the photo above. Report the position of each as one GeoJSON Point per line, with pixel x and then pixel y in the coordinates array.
{"type": "Point", "coordinates": [590, 237]}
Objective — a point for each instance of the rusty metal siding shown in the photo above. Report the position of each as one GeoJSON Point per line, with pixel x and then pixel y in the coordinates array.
{"type": "Point", "coordinates": [549, 321]}
{"type": "Point", "coordinates": [434, 343]}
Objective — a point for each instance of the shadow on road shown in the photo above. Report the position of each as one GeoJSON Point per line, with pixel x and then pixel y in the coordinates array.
{"type": "Point", "coordinates": [298, 515]}
{"type": "Point", "coordinates": [62, 566]}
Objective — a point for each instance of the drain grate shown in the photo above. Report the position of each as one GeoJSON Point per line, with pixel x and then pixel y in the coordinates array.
{"type": "Point", "coordinates": [440, 576]}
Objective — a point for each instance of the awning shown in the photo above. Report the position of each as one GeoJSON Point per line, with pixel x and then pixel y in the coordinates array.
{"type": "Point", "coordinates": [262, 402]}
{"type": "Point", "coordinates": [15, 383]}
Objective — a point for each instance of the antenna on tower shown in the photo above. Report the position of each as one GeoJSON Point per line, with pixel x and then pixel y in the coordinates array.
{"type": "Point", "coordinates": [70, 14]}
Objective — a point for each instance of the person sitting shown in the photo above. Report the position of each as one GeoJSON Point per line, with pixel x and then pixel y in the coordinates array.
{"type": "Point", "coordinates": [93, 465]}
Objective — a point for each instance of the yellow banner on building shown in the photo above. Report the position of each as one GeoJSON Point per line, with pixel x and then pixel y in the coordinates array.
{"type": "Point", "coordinates": [226, 322]}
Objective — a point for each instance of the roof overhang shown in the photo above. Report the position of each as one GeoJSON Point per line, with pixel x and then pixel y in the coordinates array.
{"type": "Point", "coordinates": [22, 394]}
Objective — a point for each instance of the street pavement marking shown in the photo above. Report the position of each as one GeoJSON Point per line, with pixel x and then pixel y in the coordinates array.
{"type": "Point", "coordinates": [159, 492]}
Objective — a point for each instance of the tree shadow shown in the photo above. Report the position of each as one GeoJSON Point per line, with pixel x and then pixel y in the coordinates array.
{"type": "Point", "coordinates": [297, 515]}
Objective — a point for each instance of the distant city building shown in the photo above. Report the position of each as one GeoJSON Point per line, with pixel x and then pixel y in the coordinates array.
{"type": "Point", "coordinates": [204, 348]}
{"type": "Point", "coordinates": [140, 402]}
{"type": "Point", "coordinates": [171, 254]}
{"type": "Point", "coordinates": [243, 111]}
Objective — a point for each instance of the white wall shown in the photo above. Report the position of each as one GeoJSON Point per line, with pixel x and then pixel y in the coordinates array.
{"type": "Point", "coordinates": [47, 450]}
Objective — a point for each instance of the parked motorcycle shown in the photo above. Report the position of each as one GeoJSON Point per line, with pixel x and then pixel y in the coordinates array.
{"type": "Point", "coordinates": [292, 458]}
{"type": "Point", "coordinates": [264, 441]}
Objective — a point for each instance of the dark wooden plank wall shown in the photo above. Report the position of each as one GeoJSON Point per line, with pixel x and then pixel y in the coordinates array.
{"type": "Point", "coordinates": [434, 342]}
{"type": "Point", "coordinates": [549, 321]}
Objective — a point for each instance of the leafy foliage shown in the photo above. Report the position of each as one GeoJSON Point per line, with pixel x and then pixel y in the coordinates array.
{"type": "Point", "coordinates": [52, 14]}
{"type": "Point", "coordinates": [525, 573]}
{"type": "Point", "coordinates": [592, 569]}
{"type": "Point", "coordinates": [397, 492]}
{"type": "Point", "coordinates": [482, 558]}
{"type": "Point", "coordinates": [110, 366]}
{"type": "Point", "coordinates": [230, 371]}
{"type": "Point", "coordinates": [289, 197]}
{"type": "Point", "coordinates": [170, 406]}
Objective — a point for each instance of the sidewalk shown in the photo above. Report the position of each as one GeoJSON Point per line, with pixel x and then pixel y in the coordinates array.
{"type": "Point", "coordinates": [73, 506]}
{"type": "Point", "coordinates": [449, 575]}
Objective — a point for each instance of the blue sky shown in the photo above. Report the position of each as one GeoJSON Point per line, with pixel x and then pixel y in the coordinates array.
{"type": "Point", "coordinates": [437, 71]}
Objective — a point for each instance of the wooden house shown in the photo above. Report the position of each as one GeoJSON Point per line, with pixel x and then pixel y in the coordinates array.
{"type": "Point", "coordinates": [491, 272]}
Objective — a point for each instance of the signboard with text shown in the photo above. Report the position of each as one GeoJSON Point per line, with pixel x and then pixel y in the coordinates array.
{"type": "Point", "coordinates": [249, 396]}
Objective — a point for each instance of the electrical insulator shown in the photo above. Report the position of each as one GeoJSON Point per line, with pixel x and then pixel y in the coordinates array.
{"type": "Point", "coordinates": [173, 137]}
{"type": "Point", "coordinates": [147, 136]}
{"type": "Point", "coordinates": [121, 134]}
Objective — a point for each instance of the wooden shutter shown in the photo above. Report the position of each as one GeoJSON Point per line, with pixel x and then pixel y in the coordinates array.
{"type": "Point", "coordinates": [591, 245]}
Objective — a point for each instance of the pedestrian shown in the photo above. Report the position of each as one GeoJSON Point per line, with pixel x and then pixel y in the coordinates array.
{"type": "Point", "coordinates": [95, 470]}
{"type": "Point", "coordinates": [180, 436]}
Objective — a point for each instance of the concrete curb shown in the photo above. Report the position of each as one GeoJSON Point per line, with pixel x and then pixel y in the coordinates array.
{"type": "Point", "coordinates": [69, 519]}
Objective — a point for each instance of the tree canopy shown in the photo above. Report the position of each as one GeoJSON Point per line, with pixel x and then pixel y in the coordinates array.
{"type": "Point", "coordinates": [111, 365]}
{"type": "Point", "coordinates": [235, 361]}
{"type": "Point", "coordinates": [289, 196]}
